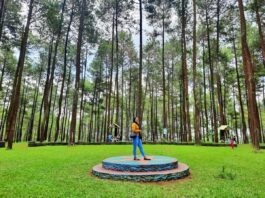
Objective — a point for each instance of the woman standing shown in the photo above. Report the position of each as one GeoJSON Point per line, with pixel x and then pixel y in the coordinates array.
{"type": "Point", "coordinates": [137, 139]}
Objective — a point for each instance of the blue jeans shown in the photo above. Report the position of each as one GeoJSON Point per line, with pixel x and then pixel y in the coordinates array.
{"type": "Point", "coordinates": [137, 142]}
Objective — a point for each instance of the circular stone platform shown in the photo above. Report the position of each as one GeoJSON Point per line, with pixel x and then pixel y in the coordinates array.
{"type": "Point", "coordinates": [159, 168]}
{"type": "Point", "coordinates": [126, 163]}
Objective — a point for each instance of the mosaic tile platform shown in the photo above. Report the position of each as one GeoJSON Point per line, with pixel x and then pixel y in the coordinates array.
{"type": "Point", "coordinates": [159, 168]}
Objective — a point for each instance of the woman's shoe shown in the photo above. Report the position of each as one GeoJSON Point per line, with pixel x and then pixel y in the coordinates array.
{"type": "Point", "coordinates": [136, 159]}
{"type": "Point", "coordinates": [145, 158]}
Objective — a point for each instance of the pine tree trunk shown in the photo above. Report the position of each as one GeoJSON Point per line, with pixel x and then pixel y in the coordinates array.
{"type": "Point", "coordinates": [33, 110]}
{"type": "Point", "coordinates": [261, 36]}
{"type": "Point", "coordinates": [122, 104]}
{"type": "Point", "coordinates": [117, 116]}
{"type": "Point", "coordinates": [139, 107]}
{"type": "Point", "coordinates": [254, 122]}
{"type": "Point", "coordinates": [111, 74]}
{"type": "Point", "coordinates": [185, 85]}
{"type": "Point", "coordinates": [156, 117]}
{"type": "Point", "coordinates": [261, 124]}
{"type": "Point", "coordinates": [223, 120]}
{"type": "Point", "coordinates": [235, 116]}
{"type": "Point", "coordinates": [65, 114]}
{"type": "Point", "coordinates": [47, 104]}
{"type": "Point", "coordinates": [173, 116]}
{"type": "Point", "coordinates": [182, 131]}
{"type": "Point", "coordinates": [169, 134]}
{"type": "Point", "coordinates": [127, 116]}
{"type": "Point", "coordinates": [243, 121]}
{"type": "Point", "coordinates": [211, 81]}
{"type": "Point", "coordinates": [145, 92]}
{"type": "Point", "coordinates": [4, 115]}
{"type": "Point", "coordinates": [204, 94]}
{"type": "Point", "coordinates": [46, 127]}
{"type": "Point", "coordinates": [45, 99]}
{"type": "Point", "coordinates": [92, 112]}
{"type": "Point", "coordinates": [53, 107]}
{"type": "Point", "coordinates": [78, 67]}
{"type": "Point", "coordinates": [218, 77]}
{"type": "Point", "coordinates": [67, 125]}
{"type": "Point", "coordinates": [20, 114]}
{"type": "Point", "coordinates": [163, 74]}
{"type": "Point", "coordinates": [152, 111]}
{"type": "Point", "coordinates": [15, 96]}
{"type": "Point", "coordinates": [177, 121]}
{"type": "Point", "coordinates": [106, 105]}
{"type": "Point", "coordinates": [2, 17]}
{"type": "Point", "coordinates": [3, 73]}
{"type": "Point", "coordinates": [23, 112]}
{"type": "Point", "coordinates": [57, 128]}
{"type": "Point", "coordinates": [130, 99]}
{"type": "Point", "coordinates": [202, 120]}
{"type": "Point", "coordinates": [80, 127]}
{"type": "Point", "coordinates": [194, 74]}
{"type": "Point", "coordinates": [97, 118]}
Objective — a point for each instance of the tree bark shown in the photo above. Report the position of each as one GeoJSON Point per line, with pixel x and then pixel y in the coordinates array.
{"type": "Point", "coordinates": [78, 66]}
{"type": "Point", "coordinates": [3, 116]}
{"type": "Point", "coordinates": [57, 128]}
{"type": "Point", "coordinates": [14, 103]}
{"type": "Point", "coordinates": [243, 121]}
{"type": "Point", "coordinates": [185, 86]}
{"type": "Point", "coordinates": [53, 107]}
{"type": "Point", "coordinates": [111, 74]}
{"type": "Point", "coordinates": [211, 80]}
{"type": "Point", "coordinates": [194, 74]}
{"type": "Point", "coordinates": [80, 127]}
{"type": "Point", "coordinates": [235, 115]}
{"type": "Point", "coordinates": [117, 116]}
{"type": "Point", "coordinates": [204, 94]}
{"type": "Point", "coordinates": [261, 36]}
{"type": "Point", "coordinates": [65, 114]}
{"type": "Point", "coordinates": [23, 111]}
{"type": "Point", "coordinates": [33, 110]}
{"type": "Point", "coordinates": [45, 122]}
{"type": "Point", "coordinates": [45, 99]}
{"type": "Point", "coordinates": [2, 17]}
{"type": "Point", "coordinates": [163, 73]}
{"type": "Point", "coordinates": [3, 72]}
{"type": "Point", "coordinates": [253, 114]}
{"type": "Point", "coordinates": [218, 76]}
{"type": "Point", "coordinates": [139, 107]}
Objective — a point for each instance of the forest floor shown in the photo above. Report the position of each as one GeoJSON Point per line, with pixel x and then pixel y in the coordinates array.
{"type": "Point", "coordinates": [63, 171]}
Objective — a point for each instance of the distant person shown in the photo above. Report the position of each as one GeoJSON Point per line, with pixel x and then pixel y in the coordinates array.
{"type": "Point", "coordinates": [117, 138]}
{"type": "Point", "coordinates": [232, 142]}
{"type": "Point", "coordinates": [137, 139]}
{"type": "Point", "coordinates": [234, 138]}
{"type": "Point", "coordinates": [109, 138]}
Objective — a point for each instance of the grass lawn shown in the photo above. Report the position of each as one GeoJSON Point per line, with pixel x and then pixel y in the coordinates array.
{"type": "Point", "coordinates": [64, 171]}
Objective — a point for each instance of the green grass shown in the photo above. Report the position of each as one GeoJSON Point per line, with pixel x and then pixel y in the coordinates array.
{"type": "Point", "coordinates": [65, 172]}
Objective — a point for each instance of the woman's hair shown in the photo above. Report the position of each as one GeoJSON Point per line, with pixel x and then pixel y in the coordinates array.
{"type": "Point", "coordinates": [134, 119]}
